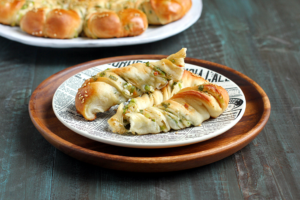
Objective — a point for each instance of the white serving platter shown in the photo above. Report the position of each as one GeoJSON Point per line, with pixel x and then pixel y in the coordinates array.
{"type": "Point", "coordinates": [152, 34]}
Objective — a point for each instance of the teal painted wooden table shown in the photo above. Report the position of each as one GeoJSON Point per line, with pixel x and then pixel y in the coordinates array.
{"type": "Point", "coordinates": [258, 38]}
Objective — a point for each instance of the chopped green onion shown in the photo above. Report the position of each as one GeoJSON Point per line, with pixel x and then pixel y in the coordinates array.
{"type": "Point", "coordinates": [148, 64]}
{"type": "Point", "coordinates": [153, 120]}
{"type": "Point", "coordinates": [166, 105]}
{"type": "Point", "coordinates": [94, 77]}
{"type": "Point", "coordinates": [159, 71]}
{"type": "Point", "coordinates": [113, 77]}
{"type": "Point", "coordinates": [162, 128]}
{"type": "Point", "coordinates": [147, 88]}
{"type": "Point", "coordinates": [173, 85]}
{"type": "Point", "coordinates": [201, 87]}
{"type": "Point", "coordinates": [125, 109]}
{"type": "Point", "coordinates": [24, 6]}
{"type": "Point", "coordinates": [180, 86]}
{"type": "Point", "coordinates": [132, 89]}
{"type": "Point", "coordinates": [102, 74]}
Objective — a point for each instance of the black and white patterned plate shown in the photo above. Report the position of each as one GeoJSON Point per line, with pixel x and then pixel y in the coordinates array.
{"type": "Point", "coordinates": [64, 108]}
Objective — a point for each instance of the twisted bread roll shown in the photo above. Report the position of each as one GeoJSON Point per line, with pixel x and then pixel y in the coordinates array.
{"type": "Point", "coordinates": [189, 79]}
{"type": "Point", "coordinates": [117, 85]}
{"type": "Point", "coordinates": [190, 106]}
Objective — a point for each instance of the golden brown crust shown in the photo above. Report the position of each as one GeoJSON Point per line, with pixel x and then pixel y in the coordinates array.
{"type": "Point", "coordinates": [109, 24]}
{"type": "Point", "coordinates": [103, 25]}
{"type": "Point", "coordinates": [62, 24]}
{"type": "Point", "coordinates": [134, 22]}
{"type": "Point", "coordinates": [169, 11]}
{"type": "Point", "coordinates": [82, 98]}
{"type": "Point", "coordinates": [33, 22]}
{"type": "Point", "coordinates": [218, 92]}
{"type": "Point", "coordinates": [189, 75]}
{"type": "Point", "coordinates": [8, 11]}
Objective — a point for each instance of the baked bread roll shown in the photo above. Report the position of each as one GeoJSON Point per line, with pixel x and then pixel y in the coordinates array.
{"type": "Point", "coordinates": [104, 23]}
{"type": "Point", "coordinates": [9, 10]}
{"type": "Point", "coordinates": [117, 85]}
{"type": "Point", "coordinates": [189, 107]}
{"type": "Point", "coordinates": [53, 21]}
{"type": "Point", "coordinates": [161, 12]}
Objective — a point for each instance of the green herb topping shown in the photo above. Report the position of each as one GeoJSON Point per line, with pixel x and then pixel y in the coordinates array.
{"type": "Point", "coordinates": [102, 74]}
{"type": "Point", "coordinates": [113, 77]}
{"type": "Point", "coordinates": [147, 88]}
{"type": "Point", "coordinates": [201, 87]}
{"type": "Point", "coordinates": [159, 71]}
{"type": "Point", "coordinates": [166, 105]}
{"type": "Point", "coordinates": [94, 77]}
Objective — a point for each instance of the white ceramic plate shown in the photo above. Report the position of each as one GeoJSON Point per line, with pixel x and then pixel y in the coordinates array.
{"type": "Point", "coordinates": [64, 108]}
{"type": "Point", "coordinates": [152, 34]}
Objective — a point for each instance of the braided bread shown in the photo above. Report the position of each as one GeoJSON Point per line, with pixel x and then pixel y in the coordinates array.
{"type": "Point", "coordinates": [117, 85]}
{"type": "Point", "coordinates": [65, 19]}
{"type": "Point", "coordinates": [190, 106]}
{"type": "Point", "coordinates": [188, 79]}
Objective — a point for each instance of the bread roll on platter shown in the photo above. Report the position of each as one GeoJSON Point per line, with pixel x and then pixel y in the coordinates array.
{"type": "Point", "coordinates": [163, 12]}
{"type": "Point", "coordinates": [104, 23]}
{"type": "Point", "coordinates": [54, 20]}
{"type": "Point", "coordinates": [114, 86]}
{"type": "Point", "coordinates": [65, 19]}
{"type": "Point", "coordinates": [189, 107]}
{"type": "Point", "coordinates": [9, 11]}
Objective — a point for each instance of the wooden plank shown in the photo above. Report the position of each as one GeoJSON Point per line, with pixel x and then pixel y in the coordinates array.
{"type": "Point", "coordinates": [24, 168]}
{"type": "Point", "coordinates": [264, 167]}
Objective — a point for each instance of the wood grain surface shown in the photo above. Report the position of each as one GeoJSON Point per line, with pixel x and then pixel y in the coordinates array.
{"type": "Point", "coordinates": [259, 38]}
{"type": "Point", "coordinates": [149, 160]}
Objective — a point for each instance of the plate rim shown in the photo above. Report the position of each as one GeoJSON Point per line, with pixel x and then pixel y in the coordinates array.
{"type": "Point", "coordinates": [151, 145]}
{"type": "Point", "coordinates": [67, 147]}
{"type": "Point", "coordinates": [24, 38]}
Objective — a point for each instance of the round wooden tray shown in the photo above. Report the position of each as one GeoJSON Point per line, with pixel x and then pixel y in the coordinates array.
{"type": "Point", "coordinates": [257, 113]}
